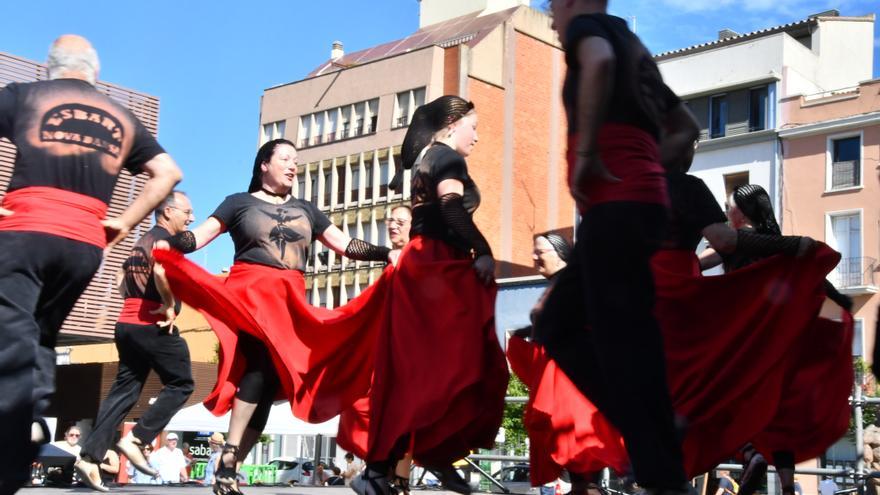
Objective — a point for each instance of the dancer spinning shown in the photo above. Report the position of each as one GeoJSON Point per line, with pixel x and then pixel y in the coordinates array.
{"type": "Point", "coordinates": [750, 211]}
{"type": "Point", "coordinates": [617, 108]}
{"type": "Point", "coordinates": [146, 339]}
{"type": "Point", "coordinates": [440, 376]}
{"type": "Point", "coordinates": [72, 143]}
{"type": "Point", "coordinates": [743, 311]}
{"type": "Point", "coordinates": [285, 340]}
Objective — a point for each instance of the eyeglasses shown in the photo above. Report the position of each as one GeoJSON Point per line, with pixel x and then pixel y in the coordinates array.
{"type": "Point", "coordinates": [400, 222]}
{"type": "Point", "coordinates": [185, 212]}
{"type": "Point", "coordinates": [73, 434]}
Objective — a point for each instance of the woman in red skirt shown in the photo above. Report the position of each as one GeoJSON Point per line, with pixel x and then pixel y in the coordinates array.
{"type": "Point", "coordinates": [440, 376]}
{"type": "Point", "coordinates": [727, 344]}
{"type": "Point", "coordinates": [273, 344]}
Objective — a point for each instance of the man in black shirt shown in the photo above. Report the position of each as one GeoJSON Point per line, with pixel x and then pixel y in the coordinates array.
{"type": "Point", "coordinates": [624, 125]}
{"type": "Point", "coordinates": [72, 141]}
{"type": "Point", "coordinates": [146, 340]}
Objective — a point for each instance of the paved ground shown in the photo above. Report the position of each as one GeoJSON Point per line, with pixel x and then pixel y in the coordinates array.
{"type": "Point", "coordinates": [204, 490]}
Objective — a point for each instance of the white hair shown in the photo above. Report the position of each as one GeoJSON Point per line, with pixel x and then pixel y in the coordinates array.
{"type": "Point", "coordinates": [62, 61]}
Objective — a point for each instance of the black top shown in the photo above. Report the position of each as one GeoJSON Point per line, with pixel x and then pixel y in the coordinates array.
{"type": "Point", "coordinates": [739, 259]}
{"type": "Point", "coordinates": [268, 234]}
{"type": "Point", "coordinates": [439, 163]}
{"type": "Point", "coordinates": [693, 209]}
{"type": "Point", "coordinates": [71, 137]}
{"type": "Point", "coordinates": [638, 95]}
{"type": "Point", "coordinates": [138, 267]}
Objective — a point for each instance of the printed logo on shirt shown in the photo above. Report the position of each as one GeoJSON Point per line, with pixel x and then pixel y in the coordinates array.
{"type": "Point", "coordinates": [83, 125]}
{"type": "Point", "coordinates": [281, 234]}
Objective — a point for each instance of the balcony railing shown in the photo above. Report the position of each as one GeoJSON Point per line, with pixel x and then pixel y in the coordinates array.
{"type": "Point", "coordinates": [855, 275]}
{"type": "Point", "coordinates": [844, 174]}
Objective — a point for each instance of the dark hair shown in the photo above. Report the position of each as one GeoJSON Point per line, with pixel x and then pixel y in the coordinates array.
{"type": "Point", "coordinates": [426, 121]}
{"type": "Point", "coordinates": [349, 455]}
{"type": "Point", "coordinates": [168, 201]}
{"type": "Point", "coordinates": [560, 244]}
{"type": "Point", "coordinates": [264, 154]}
{"type": "Point", "coordinates": [755, 204]}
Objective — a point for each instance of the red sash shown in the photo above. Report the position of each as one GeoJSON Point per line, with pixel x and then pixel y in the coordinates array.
{"type": "Point", "coordinates": [136, 311]}
{"type": "Point", "coordinates": [55, 211]}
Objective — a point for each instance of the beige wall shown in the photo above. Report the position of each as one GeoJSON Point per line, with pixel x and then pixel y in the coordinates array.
{"type": "Point", "coordinates": [193, 328]}
{"type": "Point", "coordinates": [806, 202]}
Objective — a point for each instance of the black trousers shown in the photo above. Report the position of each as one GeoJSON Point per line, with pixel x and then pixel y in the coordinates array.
{"type": "Point", "coordinates": [142, 348]}
{"type": "Point", "coordinates": [597, 322]}
{"type": "Point", "coordinates": [259, 384]}
{"type": "Point", "coordinates": [41, 278]}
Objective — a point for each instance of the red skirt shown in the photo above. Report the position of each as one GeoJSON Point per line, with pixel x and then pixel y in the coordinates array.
{"type": "Point", "coordinates": [440, 376]}
{"type": "Point", "coordinates": [743, 365]}
{"type": "Point", "coordinates": [319, 354]}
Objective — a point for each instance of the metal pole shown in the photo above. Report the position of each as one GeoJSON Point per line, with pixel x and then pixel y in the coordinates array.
{"type": "Point", "coordinates": [486, 475]}
{"type": "Point", "coordinates": [860, 433]}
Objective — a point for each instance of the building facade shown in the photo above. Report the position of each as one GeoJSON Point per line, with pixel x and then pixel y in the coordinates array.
{"type": "Point", "coordinates": [94, 315]}
{"type": "Point", "coordinates": [349, 116]}
{"type": "Point", "coordinates": [831, 151]}
{"type": "Point", "coordinates": [735, 85]}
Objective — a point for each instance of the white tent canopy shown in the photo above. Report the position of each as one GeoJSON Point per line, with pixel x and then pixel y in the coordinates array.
{"type": "Point", "coordinates": [281, 422]}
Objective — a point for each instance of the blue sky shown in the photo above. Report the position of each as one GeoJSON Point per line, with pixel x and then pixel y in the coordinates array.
{"type": "Point", "coordinates": [209, 62]}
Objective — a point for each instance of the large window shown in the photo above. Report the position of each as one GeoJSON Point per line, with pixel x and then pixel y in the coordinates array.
{"type": "Point", "coordinates": [846, 237]}
{"type": "Point", "coordinates": [405, 103]}
{"type": "Point", "coordinates": [384, 178]}
{"type": "Point", "coordinates": [273, 130]}
{"type": "Point", "coordinates": [717, 116]}
{"type": "Point", "coordinates": [759, 105]}
{"type": "Point", "coordinates": [342, 122]}
{"type": "Point", "coordinates": [858, 348]}
{"type": "Point", "coordinates": [368, 179]}
{"type": "Point", "coordinates": [845, 167]}
{"type": "Point", "coordinates": [732, 181]}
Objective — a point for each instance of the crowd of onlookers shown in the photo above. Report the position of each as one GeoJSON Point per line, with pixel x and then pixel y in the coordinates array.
{"type": "Point", "coordinates": [173, 463]}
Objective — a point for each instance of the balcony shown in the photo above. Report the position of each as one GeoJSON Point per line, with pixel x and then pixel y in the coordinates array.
{"type": "Point", "coordinates": [855, 276]}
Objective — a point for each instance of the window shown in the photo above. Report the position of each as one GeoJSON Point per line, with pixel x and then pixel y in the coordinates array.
{"type": "Point", "coordinates": [318, 137]}
{"type": "Point", "coordinates": [273, 130]}
{"type": "Point", "coordinates": [346, 121]}
{"type": "Point", "coordinates": [846, 237]}
{"type": "Point", "coordinates": [301, 185]}
{"type": "Point", "coordinates": [340, 183]}
{"type": "Point", "coordinates": [405, 104]}
{"type": "Point", "coordinates": [368, 179]}
{"type": "Point", "coordinates": [383, 177]}
{"type": "Point", "coordinates": [758, 109]}
{"type": "Point", "coordinates": [305, 131]}
{"type": "Point", "coordinates": [332, 115]}
{"type": "Point", "coordinates": [373, 110]}
{"type": "Point", "coordinates": [846, 166]}
{"type": "Point", "coordinates": [355, 181]}
{"type": "Point", "coordinates": [858, 348]}
{"type": "Point", "coordinates": [732, 181]}
{"type": "Point", "coordinates": [358, 119]}
{"type": "Point", "coordinates": [327, 187]}
{"type": "Point", "coordinates": [314, 192]}
{"type": "Point", "coordinates": [717, 116]}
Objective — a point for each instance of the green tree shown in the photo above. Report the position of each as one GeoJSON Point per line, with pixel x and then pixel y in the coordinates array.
{"type": "Point", "coordinates": [514, 429]}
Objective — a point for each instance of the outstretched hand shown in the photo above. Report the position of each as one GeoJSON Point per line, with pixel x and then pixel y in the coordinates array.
{"type": "Point", "coordinates": [115, 230]}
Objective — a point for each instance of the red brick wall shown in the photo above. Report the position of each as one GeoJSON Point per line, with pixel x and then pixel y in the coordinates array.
{"type": "Point", "coordinates": [451, 69]}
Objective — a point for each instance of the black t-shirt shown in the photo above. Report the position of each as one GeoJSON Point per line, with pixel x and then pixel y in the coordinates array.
{"type": "Point", "coordinates": [268, 234]}
{"type": "Point", "coordinates": [439, 163]}
{"type": "Point", "coordinates": [638, 95]}
{"type": "Point", "coordinates": [693, 209]}
{"type": "Point", "coordinates": [138, 280]}
{"type": "Point", "coordinates": [71, 137]}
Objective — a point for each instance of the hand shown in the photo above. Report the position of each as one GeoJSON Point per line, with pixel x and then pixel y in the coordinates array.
{"type": "Point", "coordinates": [170, 316]}
{"type": "Point", "coordinates": [805, 246]}
{"type": "Point", "coordinates": [393, 256]}
{"type": "Point", "coordinates": [5, 213]}
{"type": "Point", "coordinates": [587, 169]}
{"type": "Point", "coordinates": [485, 267]}
{"type": "Point", "coordinates": [115, 230]}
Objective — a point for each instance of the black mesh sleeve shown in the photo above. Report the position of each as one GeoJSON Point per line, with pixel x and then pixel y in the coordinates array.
{"type": "Point", "coordinates": [761, 245]}
{"type": "Point", "coordinates": [364, 251]}
{"type": "Point", "coordinates": [842, 300]}
{"type": "Point", "coordinates": [185, 242]}
{"type": "Point", "coordinates": [459, 221]}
